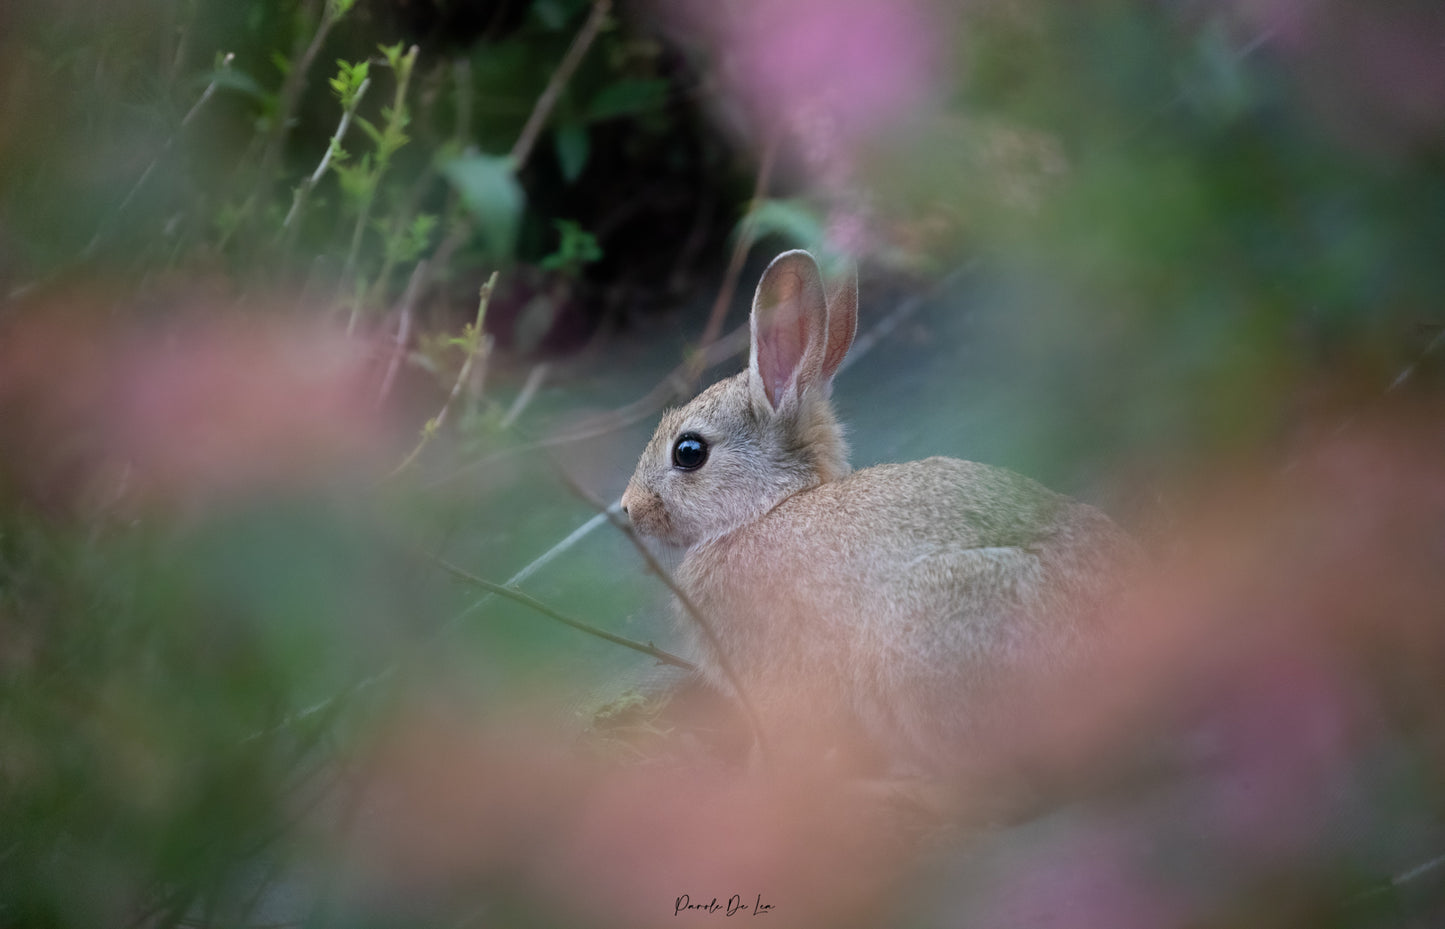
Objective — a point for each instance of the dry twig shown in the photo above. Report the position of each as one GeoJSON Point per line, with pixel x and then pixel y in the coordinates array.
{"type": "Point", "coordinates": [403, 329]}
{"type": "Point", "coordinates": [740, 251]}
{"type": "Point", "coordinates": [542, 110]}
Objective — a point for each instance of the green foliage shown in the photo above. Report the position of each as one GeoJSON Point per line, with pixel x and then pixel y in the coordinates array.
{"type": "Point", "coordinates": [145, 757]}
{"type": "Point", "coordinates": [576, 248]}
{"type": "Point", "coordinates": [348, 80]}
{"type": "Point", "coordinates": [357, 181]}
{"type": "Point", "coordinates": [270, 130]}
{"type": "Point", "coordinates": [409, 244]}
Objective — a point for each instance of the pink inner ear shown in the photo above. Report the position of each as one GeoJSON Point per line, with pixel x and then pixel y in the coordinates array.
{"type": "Point", "coordinates": [782, 339]}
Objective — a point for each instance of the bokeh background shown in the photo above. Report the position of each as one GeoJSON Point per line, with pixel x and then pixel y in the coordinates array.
{"type": "Point", "coordinates": [306, 307]}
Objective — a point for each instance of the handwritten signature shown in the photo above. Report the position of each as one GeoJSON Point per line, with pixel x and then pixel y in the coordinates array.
{"type": "Point", "coordinates": [733, 907]}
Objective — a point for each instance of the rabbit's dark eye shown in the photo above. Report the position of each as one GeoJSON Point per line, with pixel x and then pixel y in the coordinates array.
{"type": "Point", "coordinates": [689, 451]}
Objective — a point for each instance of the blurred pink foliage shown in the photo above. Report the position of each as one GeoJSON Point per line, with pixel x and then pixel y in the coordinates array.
{"type": "Point", "coordinates": [1087, 875]}
{"type": "Point", "coordinates": [1288, 730]}
{"type": "Point", "coordinates": [453, 799]}
{"type": "Point", "coordinates": [858, 66]}
{"type": "Point", "coordinates": [823, 81]}
{"type": "Point", "coordinates": [165, 412]}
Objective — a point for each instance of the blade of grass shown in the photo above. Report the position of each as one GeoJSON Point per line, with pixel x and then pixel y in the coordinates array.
{"type": "Point", "coordinates": [515, 595]}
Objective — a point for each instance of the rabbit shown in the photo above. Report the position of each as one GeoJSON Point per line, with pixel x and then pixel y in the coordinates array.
{"type": "Point", "coordinates": [885, 601]}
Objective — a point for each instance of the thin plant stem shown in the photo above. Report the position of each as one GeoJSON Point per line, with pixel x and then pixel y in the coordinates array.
{"type": "Point", "coordinates": [535, 377]}
{"type": "Point", "coordinates": [739, 253]}
{"type": "Point", "coordinates": [305, 187]}
{"type": "Point", "coordinates": [517, 596]}
{"type": "Point", "coordinates": [403, 330]}
{"type": "Point", "coordinates": [393, 128]}
{"type": "Point", "coordinates": [542, 110]}
{"type": "Point", "coordinates": [404, 216]}
{"type": "Point", "coordinates": [287, 100]}
{"type": "Point", "coordinates": [477, 342]}
{"type": "Point", "coordinates": [478, 348]}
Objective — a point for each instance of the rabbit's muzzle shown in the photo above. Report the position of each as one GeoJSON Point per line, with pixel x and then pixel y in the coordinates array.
{"type": "Point", "coordinates": [644, 508]}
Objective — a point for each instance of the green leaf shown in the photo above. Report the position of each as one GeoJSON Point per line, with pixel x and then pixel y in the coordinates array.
{"type": "Point", "coordinates": [368, 127]}
{"type": "Point", "coordinates": [627, 97]}
{"type": "Point", "coordinates": [573, 147]}
{"type": "Point", "coordinates": [357, 181]}
{"type": "Point", "coordinates": [348, 80]}
{"type": "Point", "coordinates": [405, 245]}
{"type": "Point", "coordinates": [488, 186]}
{"type": "Point", "coordinates": [394, 140]}
{"type": "Point", "coordinates": [392, 53]}
{"type": "Point", "coordinates": [576, 248]}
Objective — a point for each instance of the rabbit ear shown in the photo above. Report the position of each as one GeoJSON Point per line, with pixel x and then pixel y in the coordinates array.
{"type": "Point", "coordinates": [789, 326]}
{"type": "Point", "coordinates": [842, 322]}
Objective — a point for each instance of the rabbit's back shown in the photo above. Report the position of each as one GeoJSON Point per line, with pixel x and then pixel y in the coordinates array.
{"type": "Point", "coordinates": [903, 589]}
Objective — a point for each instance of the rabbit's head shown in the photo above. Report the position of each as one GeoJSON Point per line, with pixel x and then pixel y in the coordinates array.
{"type": "Point", "coordinates": [747, 443]}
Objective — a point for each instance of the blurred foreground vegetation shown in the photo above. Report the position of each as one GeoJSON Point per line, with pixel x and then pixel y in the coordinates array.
{"type": "Point", "coordinates": [248, 387]}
